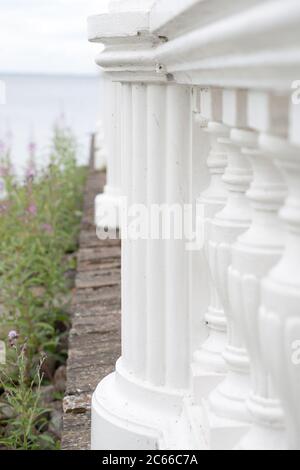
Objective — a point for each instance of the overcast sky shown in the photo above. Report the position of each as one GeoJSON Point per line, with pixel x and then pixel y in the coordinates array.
{"type": "Point", "coordinates": [47, 36]}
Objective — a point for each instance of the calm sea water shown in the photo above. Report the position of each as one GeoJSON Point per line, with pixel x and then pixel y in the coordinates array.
{"type": "Point", "coordinates": [35, 103]}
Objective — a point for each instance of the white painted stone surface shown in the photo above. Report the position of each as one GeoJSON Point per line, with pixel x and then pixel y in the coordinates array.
{"type": "Point", "coordinates": [184, 74]}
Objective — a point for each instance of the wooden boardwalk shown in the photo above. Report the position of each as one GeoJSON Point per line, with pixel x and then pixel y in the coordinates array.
{"type": "Point", "coordinates": [94, 341]}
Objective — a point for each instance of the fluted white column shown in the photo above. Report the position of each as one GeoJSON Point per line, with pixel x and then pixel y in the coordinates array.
{"type": "Point", "coordinates": [155, 273]}
{"type": "Point", "coordinates": [142, 400]}
{"type": "Point", "coordinates": [209, 366]}
{"type": "Point", "coordinates": [178, 178]}
{"type": "Point", "coordinates": [156, 247]}
{"type": "Point", "coordinates": [139, 246]}
{"type": "Point", "coordinates": [279, 314]}
{"type": "Point", "coordinates": [107, 205]}
{"type": "Point", "coordinates": [127, 290]}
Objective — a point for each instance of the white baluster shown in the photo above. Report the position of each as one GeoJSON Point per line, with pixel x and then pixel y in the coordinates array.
{"type": "Point", "coordinates": [209, 366]}
{"type": "Point", "coordinates": [228, 400]}
{"type": "Point", "coordinates": [279, 315]}
{"type": "Point", "coordinates": [254, 254]}
{"type": "Point", "coordinates": [199, 280]}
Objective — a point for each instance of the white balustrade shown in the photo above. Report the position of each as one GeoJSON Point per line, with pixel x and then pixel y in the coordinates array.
{"type": "Point", "coordinates": [213, 365]}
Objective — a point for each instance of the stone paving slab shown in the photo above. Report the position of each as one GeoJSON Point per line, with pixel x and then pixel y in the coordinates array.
{"type": "Point", "coordinates": [94, 339]}
{"type": "Point", "coordinates": [90, 297]}
{"type": "Point", "coordinates": [98, 278]}
{"type": "Point", "coordinates": [73, 439]}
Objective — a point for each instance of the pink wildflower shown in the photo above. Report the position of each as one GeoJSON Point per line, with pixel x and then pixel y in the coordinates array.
{"type": "Point", "coordinates": [30, 173]}
{"type": "Point", "coordinates": [32, 148]}
{"type": "Point", "coordinates": [12, 337]}
{"type": "Point", "coordinates": [30, 170]}
{"type": "Point", "coordinates": [32, 209]}
{"type": "Point", "coordinates": [31, 166]}
{"type": "Point", "coordinates": [47, 228]}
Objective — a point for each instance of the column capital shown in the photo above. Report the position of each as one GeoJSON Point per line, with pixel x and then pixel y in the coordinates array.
{"type": "Point", "coordinates": [129, 46]}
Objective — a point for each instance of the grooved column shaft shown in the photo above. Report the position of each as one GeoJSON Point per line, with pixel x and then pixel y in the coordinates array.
{"type": "Point", "coordinates": [156, 254]}
{"type": "Point", "coordinates": [177, 287]}
{"type": "Point", "coordinates": [126, 170]}
{"type": "Point", "coordinates": [139, 246]}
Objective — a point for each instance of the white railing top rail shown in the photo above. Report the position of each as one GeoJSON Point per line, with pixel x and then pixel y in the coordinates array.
{"type": "Point", "coordinates": [250, 43]}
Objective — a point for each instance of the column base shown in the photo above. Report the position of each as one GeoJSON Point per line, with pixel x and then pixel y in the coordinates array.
{"type": "Point", "coordinates": [128, 414]}
{"type": "Point", "coordinates": [229, 399]}
{"type": "Point", "coordinates": [222, 433]}
{"type": "Point", "coordinates": [267, 431]}
{"type": "Point", "coordinates": [188, 432]}
{"type": "Point", "coordinates": [203, 382]}
{"type": "Point", "coordinates": [264, 438]}
{"type": "Point", "coordinates": [108, 206]}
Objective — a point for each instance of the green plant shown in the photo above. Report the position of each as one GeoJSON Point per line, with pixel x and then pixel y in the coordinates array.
{"type": "Point", "coordinates": [27, 415]}
{"type": "Point", "coordinates": [39, 223]}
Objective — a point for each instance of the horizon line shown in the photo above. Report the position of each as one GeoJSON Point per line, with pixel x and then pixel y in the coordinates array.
{"type": "Point", "coordinates": [49, 74]}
